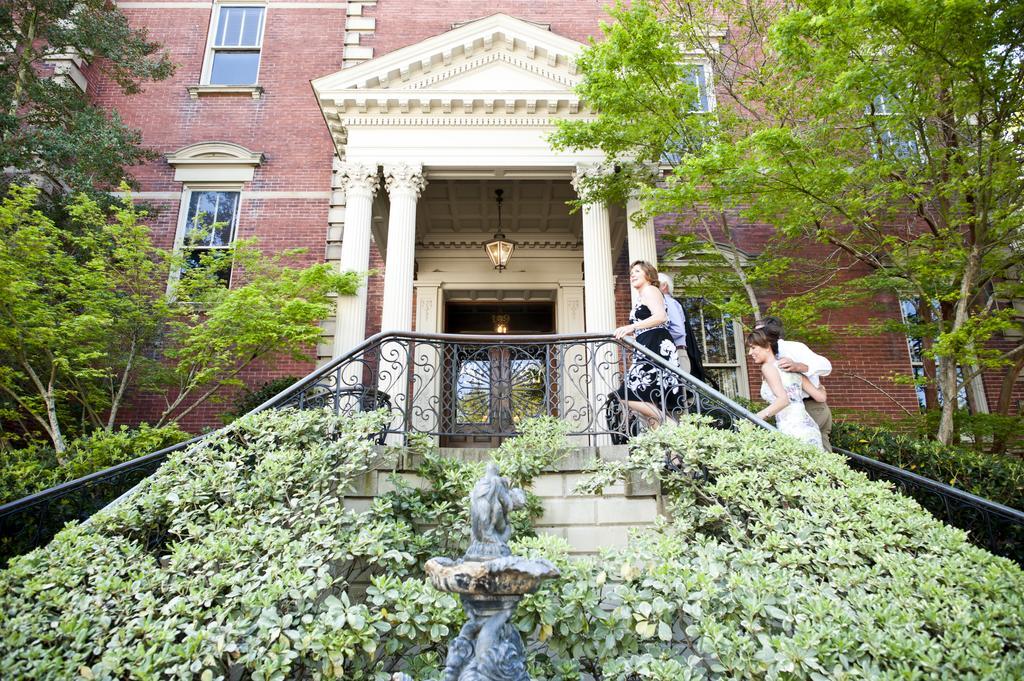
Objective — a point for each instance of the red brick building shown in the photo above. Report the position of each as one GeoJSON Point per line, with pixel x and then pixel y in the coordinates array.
{"type": "Point", "coordinates": [374, 135]}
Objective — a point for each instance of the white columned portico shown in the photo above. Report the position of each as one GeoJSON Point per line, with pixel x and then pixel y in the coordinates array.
{"type": "Point", "coordinates": [640, 241]}
{"type": "Point", "coordinates": [360, 183]}
{"type": "Point", "coordinates": [599, 302]}
{"type": "Point", "coordinates": [404, 183]}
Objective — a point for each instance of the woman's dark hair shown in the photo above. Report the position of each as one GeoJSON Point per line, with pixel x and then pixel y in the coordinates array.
{"type": "Point", "coordinates": [649, 270]}
{"type": "Point", "coordinates": [762, 339]}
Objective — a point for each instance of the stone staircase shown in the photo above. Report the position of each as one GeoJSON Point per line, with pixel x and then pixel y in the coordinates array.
{"type": "Point", "coordinates": [589, 523]}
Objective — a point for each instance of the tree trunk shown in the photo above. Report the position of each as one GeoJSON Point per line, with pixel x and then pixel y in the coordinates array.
{"type": "Point", "coordinates": [947, 367]}
{"type": "Point", "coordinates": [55, 434]}
{"type": "Point", "coordinates": [115, 403]}
{"type": "Point", "coordinates": [24, 63]}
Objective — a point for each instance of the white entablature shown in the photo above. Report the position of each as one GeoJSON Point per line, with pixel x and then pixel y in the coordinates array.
{"type": "Point", "coordinates": [484, 93]}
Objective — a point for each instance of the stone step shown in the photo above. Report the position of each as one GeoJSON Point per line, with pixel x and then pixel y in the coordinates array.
{"type": "Point", "coordinates": [587, 522]}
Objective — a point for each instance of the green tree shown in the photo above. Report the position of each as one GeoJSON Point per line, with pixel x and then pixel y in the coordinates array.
{"type": "Point", "coordinates": [88, 318]}
{"type": "Point", "coordinates": [889, 131]}
{"type": "Point", "coordinates": [48, 126]}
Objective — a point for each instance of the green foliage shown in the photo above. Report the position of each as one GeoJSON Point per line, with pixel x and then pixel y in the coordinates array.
{"type": "Point", "coordinates": [238, 560]}
{"type": "Point", "coordinates": [243, 563]}
{"type": "Point", "coordinates": [48, 126]}
{"type": "Point", "coordinates": [251, 399]}
{"type": "Point", "coordinates": [997, 477]}
{"type": "Point", "coordinates": [31, 469]}
{"type": "Point", "coordinates": [888, 132]}
{"type": "Point", "coordinates": [88, 314]}
{"type": "Point", "coordinates": [541, 442]}
{"type": "Point", "coordinates": [781, 562]}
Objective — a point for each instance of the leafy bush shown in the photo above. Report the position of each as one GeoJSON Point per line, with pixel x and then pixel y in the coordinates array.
{"type": "Point", "coordinates": [36, 467]}
{"type": "Point", "coordinates": [779, 560]}
{"type": "Point", "coordinates": [250, 399]}
{"type": "Point", "coordinates": [998, 477]}
{"type": "Point", "coordinates": [238, 561]}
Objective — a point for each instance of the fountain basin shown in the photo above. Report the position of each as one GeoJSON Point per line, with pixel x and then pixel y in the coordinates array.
{"type": "Point", "coordinates": [507, 576]}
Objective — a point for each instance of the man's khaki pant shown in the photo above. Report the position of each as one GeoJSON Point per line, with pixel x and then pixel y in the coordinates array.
{"type": "Point", "coordinates": [822, 416]}
{"type": "Point", "coordinates": [684, 359]}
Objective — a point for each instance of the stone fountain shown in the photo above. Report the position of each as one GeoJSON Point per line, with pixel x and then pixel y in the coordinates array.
{"type": "Point", "coordinates": [491, 582]}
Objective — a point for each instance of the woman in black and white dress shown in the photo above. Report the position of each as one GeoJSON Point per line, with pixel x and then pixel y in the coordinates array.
{"type": "Point", "coordinates": [645, 381]}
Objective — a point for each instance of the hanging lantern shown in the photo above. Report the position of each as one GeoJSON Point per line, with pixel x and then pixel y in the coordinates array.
{"type": "Point", "coordinates": [500, 323]}
{"type": "Point", "coordinates": [499, 249]}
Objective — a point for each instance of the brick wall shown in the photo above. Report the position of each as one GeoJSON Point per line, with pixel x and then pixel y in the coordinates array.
{"type": "Point", "coordinates": [405, 22]}
{"type": "Point", "coordinates": [285, 124]}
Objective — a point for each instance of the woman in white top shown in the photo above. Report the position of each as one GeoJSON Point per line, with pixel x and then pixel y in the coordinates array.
{"type": "Point", "coordinates": [783, 390]}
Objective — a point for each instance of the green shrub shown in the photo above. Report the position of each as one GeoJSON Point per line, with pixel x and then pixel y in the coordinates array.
{"type": "Point", "coordinates": [250, 399]}
{"type": "Point", "coordinates": [239, 561]}
{"type": "Point", "coordinates": [26, 470]}
{"type": "Point", "coordinates": [782, 562]}
{"type": "Point", "coordinates": [34, 468]}
{"type": "Point", "coordinates": [998, 477]}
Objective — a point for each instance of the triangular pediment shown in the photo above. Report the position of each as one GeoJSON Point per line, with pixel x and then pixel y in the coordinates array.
{"type": "Point", "coordinates": [498, 52]}
{"type": "Point", "coordinates": [497, 71]}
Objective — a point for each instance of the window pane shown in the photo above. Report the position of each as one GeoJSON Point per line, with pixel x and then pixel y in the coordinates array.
{"type": "Point", "coordinates": [473, 392]}
{"type": "Point", "coordinates": [239, 27]}
{"type": "Point", "coordinates": [211, 218]}
{"type": "Point", "coordinates": [221, 266]}
{"type": "Point", "coordinates": [921, 399]}
{"type": "Point", "coordinates": [251, 27]}
{"type": "Point", "coordinates": [726, 378]}
{"type": "Point", "coordinates": [234, 68]}
{"type": "Point", "coordinates": [698, 78]}
{"type": "Point", "coordinates": [714, 339]}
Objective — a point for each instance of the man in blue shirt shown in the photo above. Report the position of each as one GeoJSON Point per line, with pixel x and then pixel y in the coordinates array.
{"type": "Point", "coordinates": [676, 320]}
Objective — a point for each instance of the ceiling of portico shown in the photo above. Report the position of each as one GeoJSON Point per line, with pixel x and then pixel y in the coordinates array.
{"type": "Point", "coordinates": [462, 214]}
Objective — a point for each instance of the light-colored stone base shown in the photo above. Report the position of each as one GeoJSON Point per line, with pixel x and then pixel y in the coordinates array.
{"type": "Point", "coordinates": [589, 523]}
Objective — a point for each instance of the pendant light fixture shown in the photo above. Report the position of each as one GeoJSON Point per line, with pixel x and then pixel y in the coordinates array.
{"type": "Point", "coordinates": [499, 249]}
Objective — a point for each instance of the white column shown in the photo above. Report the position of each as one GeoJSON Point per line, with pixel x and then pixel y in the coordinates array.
{"type": "Point", "coordinates": [404, 183]}
{"type": "Point", "coordinates": [360, 183]}
{"type": "Point", "coordinates": [640, 240]}
{"type": "Point", "coordinates": [599, 296]}
{"type": "Point", "coordinates": [597, 257]}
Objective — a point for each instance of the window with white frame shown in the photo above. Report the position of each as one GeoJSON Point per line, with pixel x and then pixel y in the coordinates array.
{"type": "Point", "coordinates": [209, 224]}
{"type": "Point", "coordinates": [900, 144]}
{"type": "Point", "coordinates": [719, 341]}
{"type": "Point", "coordinates": [698, 76]}
{"type": "Point", "coordinates": [235, 45]}
{"type": "Point", "coordinates": [910, 309]}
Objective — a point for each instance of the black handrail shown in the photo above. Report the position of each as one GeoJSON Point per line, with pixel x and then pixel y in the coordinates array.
{"type": "Point", "coordinates": [419, 379]}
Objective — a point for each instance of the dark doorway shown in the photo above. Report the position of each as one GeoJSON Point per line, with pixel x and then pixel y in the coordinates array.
{"type": "Point", "coordinates": [490, 387]}
{"type": "Point", "coordinates": [481, 318]}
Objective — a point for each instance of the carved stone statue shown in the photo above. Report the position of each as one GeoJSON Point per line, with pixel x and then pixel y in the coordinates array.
{"type": "Point", "coordinates": [491, 582]}
{"type": "Point", "coordinates": [490, 502]}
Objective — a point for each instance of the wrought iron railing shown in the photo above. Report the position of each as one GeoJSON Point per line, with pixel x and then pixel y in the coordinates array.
{"type": "Point", "coordinates": [476, 390]}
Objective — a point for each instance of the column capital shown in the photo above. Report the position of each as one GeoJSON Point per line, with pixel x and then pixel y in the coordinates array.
{"type": "Point", "coordinates": [404, 178]}
{"type": "Point", "coordinates": [358, 178]}
{"type": "Point", "coordinates": [586, 174]}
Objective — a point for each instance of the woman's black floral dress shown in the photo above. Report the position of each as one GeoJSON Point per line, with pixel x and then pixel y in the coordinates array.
{"type": "Point", "coordinates": [644, 379]}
